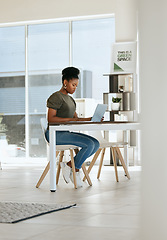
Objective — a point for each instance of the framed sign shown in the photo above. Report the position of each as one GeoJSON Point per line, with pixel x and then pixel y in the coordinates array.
{"type": "Point", "coordinates": [124, 57]}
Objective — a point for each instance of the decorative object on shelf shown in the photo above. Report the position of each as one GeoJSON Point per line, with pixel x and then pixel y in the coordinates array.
{"type": "Point", "coordinates": [120, 117]}
{"type": "Point", "coordinates": [121, 89]}
{"type": "Point", "coordinates": [116, 100]}
{"type": "Point", "coordinates": [115, 105]}
{"type": "Point", "coordinates": [124, 57]}
{"type": "Point", "coordinates": [122, 85]}
{"type": "Point", "coordinates": [126, 101]}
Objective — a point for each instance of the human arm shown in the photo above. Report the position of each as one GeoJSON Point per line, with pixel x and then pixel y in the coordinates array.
{"type": "Point", "coordinates": [81, 119]}
{"type": "Point", "coordinates": [52, 118]}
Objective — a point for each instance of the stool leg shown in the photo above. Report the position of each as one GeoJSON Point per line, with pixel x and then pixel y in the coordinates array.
{"type": "Point", "coordinates": [58, 167]}
{"type": "Point", "coordinates": [122, 162]}
{"type": "Point", "coordinates": [115, 163]}
{"type": "Point", "coordinates": [43, 175]}
{"type": "Point", "coordinates": [101, 162]}
{"type": "Point", "coordinates": [73, 168]}
{"type": "Point", "coordinates": [86, 174]}
{"type": "Point", "coordinates": [45, 172]}
{"type": "Point", "coordinates": [93, 162]}
{"type": "Point", "coordinates": [84, 170]}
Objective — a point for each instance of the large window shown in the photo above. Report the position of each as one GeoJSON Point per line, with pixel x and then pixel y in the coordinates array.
{"type": "Point", "coordinates": [50, 47]}
{"type": "Point", "coordinates": [48, 53]}
{"type": "Point", "coordinates": [92, 43]}
{"type": "Point", "coordinates": [12, 92]}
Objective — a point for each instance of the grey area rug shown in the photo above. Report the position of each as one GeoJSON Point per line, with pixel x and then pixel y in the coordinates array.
{"type": "Point", "coordinates": [12, 212]}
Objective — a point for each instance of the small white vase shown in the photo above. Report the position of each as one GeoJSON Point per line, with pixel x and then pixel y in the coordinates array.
{"type": "Point", "coordinates": [115, 106]}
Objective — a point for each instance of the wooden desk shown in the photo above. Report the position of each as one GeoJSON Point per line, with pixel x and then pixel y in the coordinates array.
{"type": "Point", "coordinates": [84, 126]}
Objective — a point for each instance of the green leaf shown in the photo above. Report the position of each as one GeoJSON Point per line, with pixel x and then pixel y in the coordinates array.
{"type": "Point", "coordinates": [116, 100]}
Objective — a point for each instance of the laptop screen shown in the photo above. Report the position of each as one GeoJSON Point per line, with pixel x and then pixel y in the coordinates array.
{"type": "Point", "coordinates": [99, 112]}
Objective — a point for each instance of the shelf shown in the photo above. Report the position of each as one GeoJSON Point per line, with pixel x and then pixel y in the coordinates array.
{"type": "Point", "coordinates": [126, 110]}
{"type": "Point", "coordinates": [117, 73]}
{"type": "Point", "coordinates": [121, 115]}
{"type": "Point", "coordinates": [119, 111]}
{"type": "Point", "coordinates": [124, 81]}
{"type": "Point", "coordinates": [112, 110]}
{"type": "Point", "coordinates": [122, 85]}
{"type": "Point", "coordinates": [118, 92]}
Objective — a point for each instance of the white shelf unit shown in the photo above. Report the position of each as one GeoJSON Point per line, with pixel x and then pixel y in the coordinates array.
{"type": "Point", "coordinates": [123, 85]}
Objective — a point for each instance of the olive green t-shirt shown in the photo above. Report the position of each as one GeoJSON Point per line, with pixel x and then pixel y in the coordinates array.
{"type": "Point", "coordinates": [63, 104]}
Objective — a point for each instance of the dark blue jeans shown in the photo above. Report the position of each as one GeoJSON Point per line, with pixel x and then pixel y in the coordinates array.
{"type": "Point", "coordinates": [88, 144]}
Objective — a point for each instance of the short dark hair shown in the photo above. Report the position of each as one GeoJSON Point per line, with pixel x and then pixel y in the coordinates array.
{"type": "Point", "coordinates": [70, 73]}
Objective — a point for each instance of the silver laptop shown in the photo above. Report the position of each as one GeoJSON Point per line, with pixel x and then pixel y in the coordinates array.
{"type": "Point", "coordinates": [99, 112]}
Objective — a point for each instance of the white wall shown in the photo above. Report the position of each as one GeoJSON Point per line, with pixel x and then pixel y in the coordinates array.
{"type": "Point", "coordinates": [23, 10]}
{"type": "Point", "coordinates": [126, 20]}
{"type": "Point", "coordinates": [153, 52]}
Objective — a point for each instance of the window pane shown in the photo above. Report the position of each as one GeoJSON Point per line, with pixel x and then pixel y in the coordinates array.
{"type": "Point", "coordinates": [48, 54]}
{"type": "Point", "coordinates": [48, 46]}
{"type": "Point", "coordinates": [92, 42]}
{"type": "Point", "coordinates": [12, 50]}
{"type": "Point", "coordinates": [12, 92]}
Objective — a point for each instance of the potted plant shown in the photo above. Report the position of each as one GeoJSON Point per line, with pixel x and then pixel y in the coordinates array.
{"type": "Point", "coordinates": [115, 103]}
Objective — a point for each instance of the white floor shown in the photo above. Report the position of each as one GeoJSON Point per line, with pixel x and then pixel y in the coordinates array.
{"type": "Point", "coordinates": [106, 210]}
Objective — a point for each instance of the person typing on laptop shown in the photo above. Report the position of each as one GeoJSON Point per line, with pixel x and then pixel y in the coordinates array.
{"type": "Point", "coordinates": [62, 108]}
